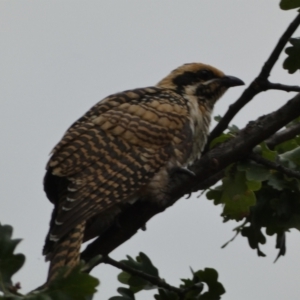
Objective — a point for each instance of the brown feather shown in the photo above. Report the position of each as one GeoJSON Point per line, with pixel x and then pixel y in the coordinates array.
{"type": "Point", "coordinates": [122, 150]}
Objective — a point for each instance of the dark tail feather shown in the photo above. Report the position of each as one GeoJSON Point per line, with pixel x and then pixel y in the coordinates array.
{"type": "Point", "coordinates": [66, 251]}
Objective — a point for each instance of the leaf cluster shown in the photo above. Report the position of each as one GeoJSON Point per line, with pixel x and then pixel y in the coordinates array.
{"type": "Point", "coordinates": [203, 285]}
{"type": "Point", "coordinates": [68, 285]}
{"type": "Point", "coordinates": [262, 197]}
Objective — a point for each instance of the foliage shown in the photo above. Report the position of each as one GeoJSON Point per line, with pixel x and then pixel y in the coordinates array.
{"type": "Point", "coordinates": [190, 289]}
{"type": "Point", "coordinates": [10, 263]}
{"type": "Point", "coordinates": [262, 197]}
{"type": "Point", "coordinates": [289, 4]}
{"type": "Point", "coordinates": [68, 285]}
{"type": "Point", "coordinates": [142, 263]}
{"type": "Point", "coordinates": [292, 62]}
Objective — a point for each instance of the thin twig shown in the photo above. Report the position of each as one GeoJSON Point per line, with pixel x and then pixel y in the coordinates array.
{"type": "Point", "coordinates": [275, 166]}
{"type": "Point", "coordinates": [283, 136]}
{"type": "Point", "coordinates": [257, 85]}
{"type": "Point", "coordinates": [153, 279]}
{"type": "Point", "coordinates": [269, 64]}
{"type": "Point", "coordinates": [283, 87]}
{"type": "Point", "coordinates": [233, 109]}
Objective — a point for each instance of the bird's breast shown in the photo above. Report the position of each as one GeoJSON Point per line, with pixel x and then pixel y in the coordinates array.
{"type": "Point", "coordinates": [200, 117]}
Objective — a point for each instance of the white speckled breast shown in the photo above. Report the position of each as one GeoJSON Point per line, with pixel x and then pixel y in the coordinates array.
{"type": "Point", "coordinates": [200, 122]}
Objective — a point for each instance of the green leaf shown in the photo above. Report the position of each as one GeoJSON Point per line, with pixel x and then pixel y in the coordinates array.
{"type": "Point", "coordinates": [124, 277]}
{"type": "Point", "coordinates": [287, 146]}
{"type": "Point", "coordinates": [267, 153]}
{"type": "Point", "coordinates": [126, 294]}
{"type": "Point", "coordinates": [218, 118]}
{"type": "Point", "coordinates": [215, 288]}
{"type": "Point", "coordinates": [10, 263]}
{"type": "Point", "coordinates": [194, 286]}
{"type": "Point", "coordinates": [142, 263]}
{"type": "Point", "coordinates": [289, 4]}
{"type": "Point", "coordinates": [293, 156]}
{"type": "Point", "coordinates": [236, 191]}
{"type": "Point", "coordinates": [18, 298]}
{"type": "Point", "coordinates": [277, 182]}
{"type": "Point", "coordinates": [254, 185]}
{"type": "Point", "coordinates": [233, 129]}
{"type": "Point", "coordinates": [292, 62]}
{"type": "Point", "coordinates": [254, 171]}
{"type": "Point", "coordinates": [220, 139]}
{"type": "Point", "coordinates": [136, 283]}
{"type": "Point", "coordinates": [166, 295]}
{"type": "Point", "coordinates": [215, 194]}
{"type": "Point", "coordinates": [236, 196]}
{"type": "Point", "coordinates": [255, 237]}
{"type": "Point", "coordinates": [73, 285]}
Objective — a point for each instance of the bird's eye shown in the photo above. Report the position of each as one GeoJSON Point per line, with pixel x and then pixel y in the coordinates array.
{"type": "Point", "coordinates": [205, 74]}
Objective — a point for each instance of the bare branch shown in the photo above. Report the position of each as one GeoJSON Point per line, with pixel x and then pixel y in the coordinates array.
{"type": "Point", "coordinates": [275, 166]}
{"type": "Point", "coordinates": [283, 87]}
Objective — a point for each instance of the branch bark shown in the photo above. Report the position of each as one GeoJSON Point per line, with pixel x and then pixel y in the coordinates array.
{"type": "Point", "coordinates": [275, 166]}
{"type": "Point", "coordinates": [283, 136]}
{"type": "Point", "coordinates": [282, 87]}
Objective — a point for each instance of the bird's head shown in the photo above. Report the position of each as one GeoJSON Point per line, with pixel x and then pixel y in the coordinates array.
{"type": "Point", "coordinates": [205, 82]}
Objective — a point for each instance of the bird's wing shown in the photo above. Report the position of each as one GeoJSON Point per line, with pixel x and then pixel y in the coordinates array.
{"type": "Point", "coordinates": [113, 151]}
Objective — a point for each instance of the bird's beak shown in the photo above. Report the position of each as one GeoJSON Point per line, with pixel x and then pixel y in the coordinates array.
{"type": "Point", "coordinates": [230, 81]}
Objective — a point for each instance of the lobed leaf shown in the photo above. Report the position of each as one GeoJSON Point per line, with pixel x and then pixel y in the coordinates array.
{"type": "Point", "coordinates": [215, 288]}
{"type": "Point", "coordinates": [289, 4]}
{"type": "Point", "coordinates": [10, 263]}
{"type": "Point", "coordinates": [292, 62]}
{"type": "Point", "coordinates": [126, 294]}
{"type": "Point", "coordinates": [136, 283]}
{"type": "Point", "coordinates": [72, 284]}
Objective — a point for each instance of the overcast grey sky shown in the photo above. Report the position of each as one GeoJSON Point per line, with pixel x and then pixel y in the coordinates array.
{"type": "Point", "coordinates": [58, 58]}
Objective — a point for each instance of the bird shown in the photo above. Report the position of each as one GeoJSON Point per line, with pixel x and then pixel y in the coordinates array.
{"type": "Point", "coordinates": [123, 150]}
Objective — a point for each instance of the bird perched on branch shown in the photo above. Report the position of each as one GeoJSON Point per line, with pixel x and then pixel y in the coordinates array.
{"type": "Point", "coordinates": [124, 150]}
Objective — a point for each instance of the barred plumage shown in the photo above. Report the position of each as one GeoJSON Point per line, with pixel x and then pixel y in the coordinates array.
{"type": "Point", "coordinates": [123, 149]}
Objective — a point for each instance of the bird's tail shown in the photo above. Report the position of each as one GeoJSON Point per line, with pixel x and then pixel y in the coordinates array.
{"type": "Point", "coordinates": [66, 251]}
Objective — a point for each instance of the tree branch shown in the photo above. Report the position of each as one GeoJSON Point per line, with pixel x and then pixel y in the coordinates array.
{"type": "Point", "coordinates": [152, 279]}
{"type": "Point", "coordinates": [275, 166]}
{"type": "Point", "coordinates": [283, 87]}
{"type": "Point", "coordinates": [257, 85]}
{"type": "Point", "coordinates": [233, 109]}
{"type": "Point", "coordinates": [213, 162]}
{"type": "Point", "coordinates": [283, 136]}
{"type": "Point", "coordinates": [269, 64]}
{"type": "Point", "coordinates": [211, 180]}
